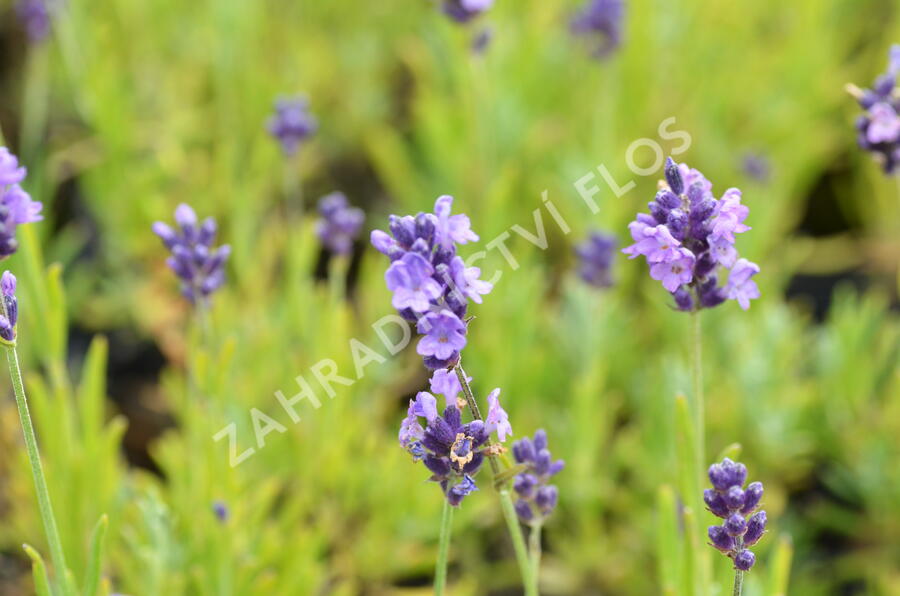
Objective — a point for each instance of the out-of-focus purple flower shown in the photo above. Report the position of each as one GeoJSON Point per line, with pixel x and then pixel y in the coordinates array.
{"type": "Point", "coordinates": [16, 206]}
{"type": "Point", "coordinates": [878, 129]}
{"type": "Point", "coordinates": [602, 22]}
{"type": "Point", "coordinates": [443, 335]}
{"type": "Point", "coordinates": [199, 265]}
{"type": "Point", "coordinates": [292, 123]}
{"type": "Point", "coordinates": [729, 501]}
{"type": "Point", "coordinates": [740, 286]}
{"type": "Point", "coordinates": [427, 276]}
{"type": "Point", "coordinates": [35, 17]}
{"type": "Point", "coordinates": [10, 314]}
{"type": "Point", "coordinates": [339, 224]}
{"type": "Point", "coordinates": [756, 166]}
{"type": "Point", "coordinates": [497, 418]}
{"type": "Point", "coordinates": [221, 512]}
{"type": "Point", "coordinates": [596, 255]}
{"type": "Point", "coordinates": [537, 498]}
{"type": "Point", "coordinates": [687, 235]}
{"type": "Point", "coordinates": [481, 40]}
{"type": "Point", "coordinates": [452, 451]}
{"type": "Point", "coordinates": [463, 11]}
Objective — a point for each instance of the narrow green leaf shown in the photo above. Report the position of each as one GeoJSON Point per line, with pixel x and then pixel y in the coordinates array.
{"type": "Point", "coordinates": [732, 451]}
{"type": "Point", "coordinates": [781, 566]}
{"type": "Point", "coordinates": [668, 549]}
{"type": "Point", "coordinates": [92, 579]}
{"type": "Point", "coordinates": [38, 571]}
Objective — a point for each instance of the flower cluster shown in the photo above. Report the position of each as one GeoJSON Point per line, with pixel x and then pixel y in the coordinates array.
{"type": "Point", "coordinates": [200, 267]}
{"type": "Point", "coordinates": [339, 224]}
{"type": "Point", "coordinates": [291, 123]}
{"type": "Point", "coordinates": [35, 17]}
{"type": "Point", "coordinates": [595, 259]}
{"type": "Point", "coordinates": [879, 127]}
{"type": "Point", "coordinates": [10, 315]}
{"type": "Point", "coordinates": [431, 284]}
{"type": "Point", "coordinates": [537, 497]}
{"type": "Point", "coordinates": [731, 502]}
{"type": "Point", "coordinates": [463, 11]}
{"type": "Point", "coordinates": [452, 451]}
{"type": "Point", "coordinates": [688, 235]}
{"type": "Point", "coordinates": [16, 206]}
{"type": "Point", "coordinates": [601, 19]}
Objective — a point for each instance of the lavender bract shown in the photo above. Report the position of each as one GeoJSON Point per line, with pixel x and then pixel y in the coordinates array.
{"type": "Point", "coordinates": [729, 500]}
{"type": "Point", "coordinates": [16, 206]}
{"type": "Point", "coordinates": [879, 128]}
{"type": "Point", "coordinates": [537, 498]}
{"type": "Point", "coordinates": [431, 284]}
{"type": "Point", "coordinates": [339, 224]}
{"type": "Point", "coordinates": [596, 255]}
{"type": "Point", "coordinates": [200, 267]}
{"type": "Point", "coordinates": [689, 235]}
{"type": "Point", "coordinates": [292, 123]}
{"type": "Point", "coordinates": [602, 22]}
{"type": "Point", "coordinates": [463, 11]}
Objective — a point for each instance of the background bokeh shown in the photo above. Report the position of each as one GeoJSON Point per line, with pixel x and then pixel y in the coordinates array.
{"type": "Point", "coordinates": [132, 107]}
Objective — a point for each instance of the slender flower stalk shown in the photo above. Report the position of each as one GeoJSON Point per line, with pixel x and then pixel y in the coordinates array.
{"type": "Point", "coordinates": [8, 320]}
{"type": "Point", "coordinates": [440, 570]}
{"type": "Point", "coordinates": [697, 376]}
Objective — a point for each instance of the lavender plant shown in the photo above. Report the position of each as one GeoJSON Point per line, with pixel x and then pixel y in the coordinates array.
{"type": "Point", "coordinates": [431, 287]}
{"type": "Point", "coordinates": [601, 21]}
{"type": "Point", "coordinates": [339, 224]}
{"type": "Point", "coordinates": [291, 124]}
{"type": "Point", "coordinates": [743, 525]}
{"type": "Point", "coordinates": [463, 11]}
{"type": "Point", "coordinates": [16, 207]}
{"type": "Point", "coordinates": [199, 265]}
{"type": "Point", "coordinates": [595, 259]}
{"type": "Point", "coordinates": [879, 128]}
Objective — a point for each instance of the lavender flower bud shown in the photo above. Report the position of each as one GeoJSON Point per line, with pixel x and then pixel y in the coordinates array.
{"type": "Point", "coordinates": [524, 511]}
{"type": "Point", "coordinates": [525, 484]}
{"type": "Point", "coordinates": [735, 525]}
{"type": "Point", "coordinates": [756, 527]}
{"type": "Point", "coordinates": [673, 177]}
{"type": "Point", "coordinates": [744, 560]}
{"type": "Point", "coordinates": [752, 496]}
{"type": "Point", "coordinates": [720, 539]}
{"type": "Point", "coordinates": [715, 503]}
{"type": "Point", "coordinates": [547, 498]}
{"type": "Point", "coordinates": [523, 450]}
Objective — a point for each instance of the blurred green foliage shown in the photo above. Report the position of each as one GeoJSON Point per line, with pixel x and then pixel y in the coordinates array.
{"type": "Point", "coordinates": [136, 106]}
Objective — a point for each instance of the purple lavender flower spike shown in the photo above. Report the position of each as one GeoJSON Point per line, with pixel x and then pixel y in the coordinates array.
{"type": "Point", "coordinates": [16, 206]}
{"type": "Point", "coordinates": [688, 235]}
{"type": "Point", "coordinates": [199, 265]}
{"type": "Point", "coordinates": [35, 17]}
{"type": "Point", "coordinates": [339, 223]}
{"type": "Point", "coordinates": [596, 255]}
{"type": "Point", "coordinates": [756, 166]}
{"type": "Point", "coordinates": [497, 418]}
{"type": "Point", "coordinates": [537, 498]}
{"type": "Point", "coordinates": [10, 307]}
{"type": "Point", "coordinates": [730, 501]}
{"type": "Point", "coordinates": [291, 124]}
{"type": "Point", "coordinates": [444, 334]}
{"type": "Point", "coordinates": [452, 451]}
{"type": "Point", "coordinates": [463, 11]}
{"type": "Point", "coordinates": [879, 127]}
{"type": "Point", "coordinates": [481, 40]}
{"type": "Point", "coordinates": [602, 22]}
{"type": "Point", "coordinates": [221, 512]}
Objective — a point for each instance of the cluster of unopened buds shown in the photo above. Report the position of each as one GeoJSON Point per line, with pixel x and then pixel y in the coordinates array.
{"type": "Point", "coordinates": [729, 500]}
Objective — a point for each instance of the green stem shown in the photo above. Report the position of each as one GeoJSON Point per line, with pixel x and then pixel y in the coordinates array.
{"type": "Point", "coordinates": [697, 370]}
{"type": "Point", "coordinates": [440, 571]}
{"type": "Point", "coordinates": [506, 504]}
{"type": "Point", "coordinates": [518, 540]}
{"type": "Point", "coordinates": [534, 547]}
{"type": "Point", "coordinates": [738, 582]}
{"type": "Point", "coordinates": [37, 470]}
